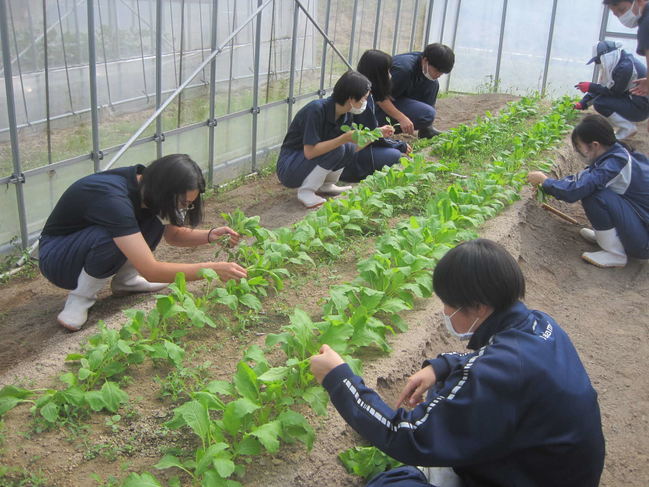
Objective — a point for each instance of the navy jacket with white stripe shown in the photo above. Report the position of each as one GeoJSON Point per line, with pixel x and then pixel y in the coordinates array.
{"type": "Point", "coordinates": [626, 173]}
{"type": "Point", "coordinates": [519, 410]}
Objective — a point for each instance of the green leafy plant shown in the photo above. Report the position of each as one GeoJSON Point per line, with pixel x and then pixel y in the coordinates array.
{"type": "Point", "coordinates": [362, 135]}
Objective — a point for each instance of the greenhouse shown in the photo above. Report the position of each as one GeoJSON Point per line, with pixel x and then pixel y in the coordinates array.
{"type": "Point", "coordinates": [199, 285]}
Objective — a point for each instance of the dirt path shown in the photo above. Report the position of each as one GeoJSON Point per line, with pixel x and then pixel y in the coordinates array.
{"type": "Point", "coordinates": [604, 312]}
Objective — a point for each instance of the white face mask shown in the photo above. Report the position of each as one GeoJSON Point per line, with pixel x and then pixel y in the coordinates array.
{"type": "Point", "coordinates": [424, 71]}
{"type": "Point", "coordinates": [451, 329]}
{"type": "Point", "coordinates": [629, 19]}
{"type": "Point", "coordinates": [361, 109]}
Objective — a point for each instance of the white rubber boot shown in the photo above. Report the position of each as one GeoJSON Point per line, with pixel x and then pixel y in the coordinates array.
{"type": "Point", "coordinates": [306, 192]}
{"type": "Point", "coordinates": [128, 281]}
{"type": "Point", "coordinates": [588, 235]}
{"type": "Point", "coordinates": [330, 187]}
{"type": "Point", "coordinates": [625, 128]}
{"type": "Point", "coordinates": [612, 255]}
{"type": "Point", "coordinates": [80, 300]}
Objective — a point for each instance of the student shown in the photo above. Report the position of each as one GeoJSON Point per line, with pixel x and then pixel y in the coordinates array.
{"type": "Point", "coordinates": [375, 65]}
{"type": "Point", "coordinates": [315, 150]}
{"type": "Point", "coordinates": [633, 14]}
{"type": "Point", "coordinates": [414, 89]}
{"type": "Point", "coordinates": [613, 189]}
{"type": "Point", "coordinates": [517, 409]}
{"type": "Point", "coordinates": [108, 224]}
{"type": "Point", "coordinates": [611, 97]}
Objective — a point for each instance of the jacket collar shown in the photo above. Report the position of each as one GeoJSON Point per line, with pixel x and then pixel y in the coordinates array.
{"type": "Point", "coordinates": [330, 112]}
{"type": "Point", "coordinates": [497, 322]}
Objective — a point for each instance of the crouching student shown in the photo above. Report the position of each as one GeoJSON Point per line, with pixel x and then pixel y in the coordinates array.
{"type": "Point", "coordinates": [375, 65]}
{"type": "Point", "coordinates": [315, 151]}
{"type": "Point", "coordinates": [414, 89]}
{"type": "Point", "coordinates": [517, 409]}
{"type": "Point", "coordinates": [611, 96]}
{"type": "Point", "coordinates": [108, 224]}
{"type": "Point", "coordinates": [613, 189]}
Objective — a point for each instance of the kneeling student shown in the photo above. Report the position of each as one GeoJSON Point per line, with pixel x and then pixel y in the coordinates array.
{"type": "Point", "coordinates": [611, 96]}
{"type": "Point", "coordinates": [613, 189]}
{"type": "Point", "coordinates": [517, 409]}
{"type": "Point", "coordinates": [315, 151]}
{"type": "Point", "coordinates": [108, 224]}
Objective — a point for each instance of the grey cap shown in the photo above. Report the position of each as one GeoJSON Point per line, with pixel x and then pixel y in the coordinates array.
{"type": "Point", "coordinates": [602, 48]}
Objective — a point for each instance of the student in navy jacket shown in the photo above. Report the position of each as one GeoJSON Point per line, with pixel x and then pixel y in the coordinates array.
{"type": "Point", "coordinates": [108, 224]}
{"type": "Point", "coordinates": [517, 410]}
{"type": "Point", "coordinates": [415, 88]}
{"type": "Point", "coordinates": [611, 96]}
{"type": "Point", "coordinates": [375, 65]}
{"type": "Point", "coordinates": [613, 189]}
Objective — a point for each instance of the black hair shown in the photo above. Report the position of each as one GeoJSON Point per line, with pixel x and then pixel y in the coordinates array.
{"type": "Point", "coordinates": [440, 57]}
{"type": "Point", "coordinates": [479, 272]}
{"type": "Point", "coordinates": [593, 128]}
{"type": "Point", "coordinates": [166, 180]}
{"type": "Point", "coordinates": [615, 2]}
{"type": "Point", "coordinates": [375, 65]}
{"type": "Point", "coordinates": [353, 85]}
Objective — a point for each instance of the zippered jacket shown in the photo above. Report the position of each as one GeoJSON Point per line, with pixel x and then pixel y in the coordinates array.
{"type": "Point", "coordinates": [518, 410]}
{"type": "Point", "coordinates": [626, 173]}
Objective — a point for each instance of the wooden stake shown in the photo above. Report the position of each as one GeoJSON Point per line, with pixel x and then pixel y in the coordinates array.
{"type": "Point", "coordinates": [560, 214]}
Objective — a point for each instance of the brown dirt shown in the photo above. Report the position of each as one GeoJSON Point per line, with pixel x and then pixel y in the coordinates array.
{"type": "Point", "coordinates": [604, 311]}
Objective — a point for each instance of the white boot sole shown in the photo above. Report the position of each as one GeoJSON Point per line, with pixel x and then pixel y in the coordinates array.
{"type": "Point", "coordinates": [601, 266]}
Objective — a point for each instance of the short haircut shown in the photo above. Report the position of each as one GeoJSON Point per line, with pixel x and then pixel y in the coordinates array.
{"type": "Point", "coordinates": [375, 65]}
{"type": "Point", "coordinates": [616, 2]}
{"type": "Point", "coordinates": [439, 56]}
{"type": "Point", "coordinates": [479, 272]}
{"type": "Point", "coordinates": [166, 180]}
{"type": "Point", "coordinates": [593, 128]}
{"type": "Point", "coordinates": [352, 85]}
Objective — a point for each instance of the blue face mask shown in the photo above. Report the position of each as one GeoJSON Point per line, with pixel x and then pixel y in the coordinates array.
{"type": "Point", "coordinates": [449, 326]}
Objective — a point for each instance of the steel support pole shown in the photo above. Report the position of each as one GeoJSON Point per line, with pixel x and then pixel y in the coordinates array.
{"type": "Point", "coordinates": [549, 48]}
{"type": "Point", "coordinates": [441, 31]}
{"type": "Point", "coordinates": [602, 36]}
{"type": "Point", "coordinates": [455, 26]}
{"type": "Point", "coordinates": [395, 37]}
{"type": "Point", "coordinates": [92, 72]}
{"type": "Point", "coordinates": [377, 24]}
{"type": "Point", "coordinates": [211, 123]}
{"type": "Point", "coordinates": [429, 21]}
{"type": "Point", "coordinates": [65, 58]}
{"type": "Point", "coordinates": [353, 32]}
{"type": "Point", "coordinates": [159, 137]}
{"type": "Point", "coordinates": [46, 67]}
{"type": "Point", "coordinates": [180, 64]}
{"type": "Point", "coordinates": [255, 90]}
{"type": "Point", "coordinates": [200, 68]}
{"type": "Point", "coordinates": [415, 11]}
{"type": "Point", "coordinates": [501, 41]}
{"type": "Point", "coordinates": [323, 63]}
{"type": "Point", "coordinates": [17, 177]}
{"type": "Point", "coordinates": [291, 79]}
{"type": "Point", "coordinates": [323, 33]}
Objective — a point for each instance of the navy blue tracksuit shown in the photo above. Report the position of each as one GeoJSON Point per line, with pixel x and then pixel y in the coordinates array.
{"type": "Point", "coordinates": [412, 93]}
{"type": "Point", "coordinates": [614, 191]}
{"type": "Point", "coordinates": [518, 410]}
{"type": "Point", "coordinates": [617, 98]}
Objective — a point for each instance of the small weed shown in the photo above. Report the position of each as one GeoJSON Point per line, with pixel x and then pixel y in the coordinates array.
{"type": "Point", "coordinates": [20, 477]}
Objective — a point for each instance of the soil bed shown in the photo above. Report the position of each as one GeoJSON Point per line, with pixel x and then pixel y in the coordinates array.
{"type": "Point", "coordinates": [604, 312]}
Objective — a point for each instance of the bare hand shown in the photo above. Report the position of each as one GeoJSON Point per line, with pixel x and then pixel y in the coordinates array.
{"type": "Point", "coordinates": [229, 270]}
{"type": "Point", "coordinates": [387, 130]}
{"type": "Point", "coordinates": [416, 387]}
{"type": "Point", "coordinates": [536, 177]}
{"type": "Point", "coordinates": [408, 149]}
{"type": "Point", "coordinates": [406, 125]}
{"type": "Point", "coordinates": [323, 363]}
{"type": "Point", "coordinates": [641, 87]}
{"type": "Point", "coordinates": [234, 239]}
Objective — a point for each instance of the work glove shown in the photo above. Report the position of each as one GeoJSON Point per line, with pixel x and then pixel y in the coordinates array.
{"type": "Point", "coordinates": [579, 106]}
{"type": "Point", "coordinates": [583, 86]}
